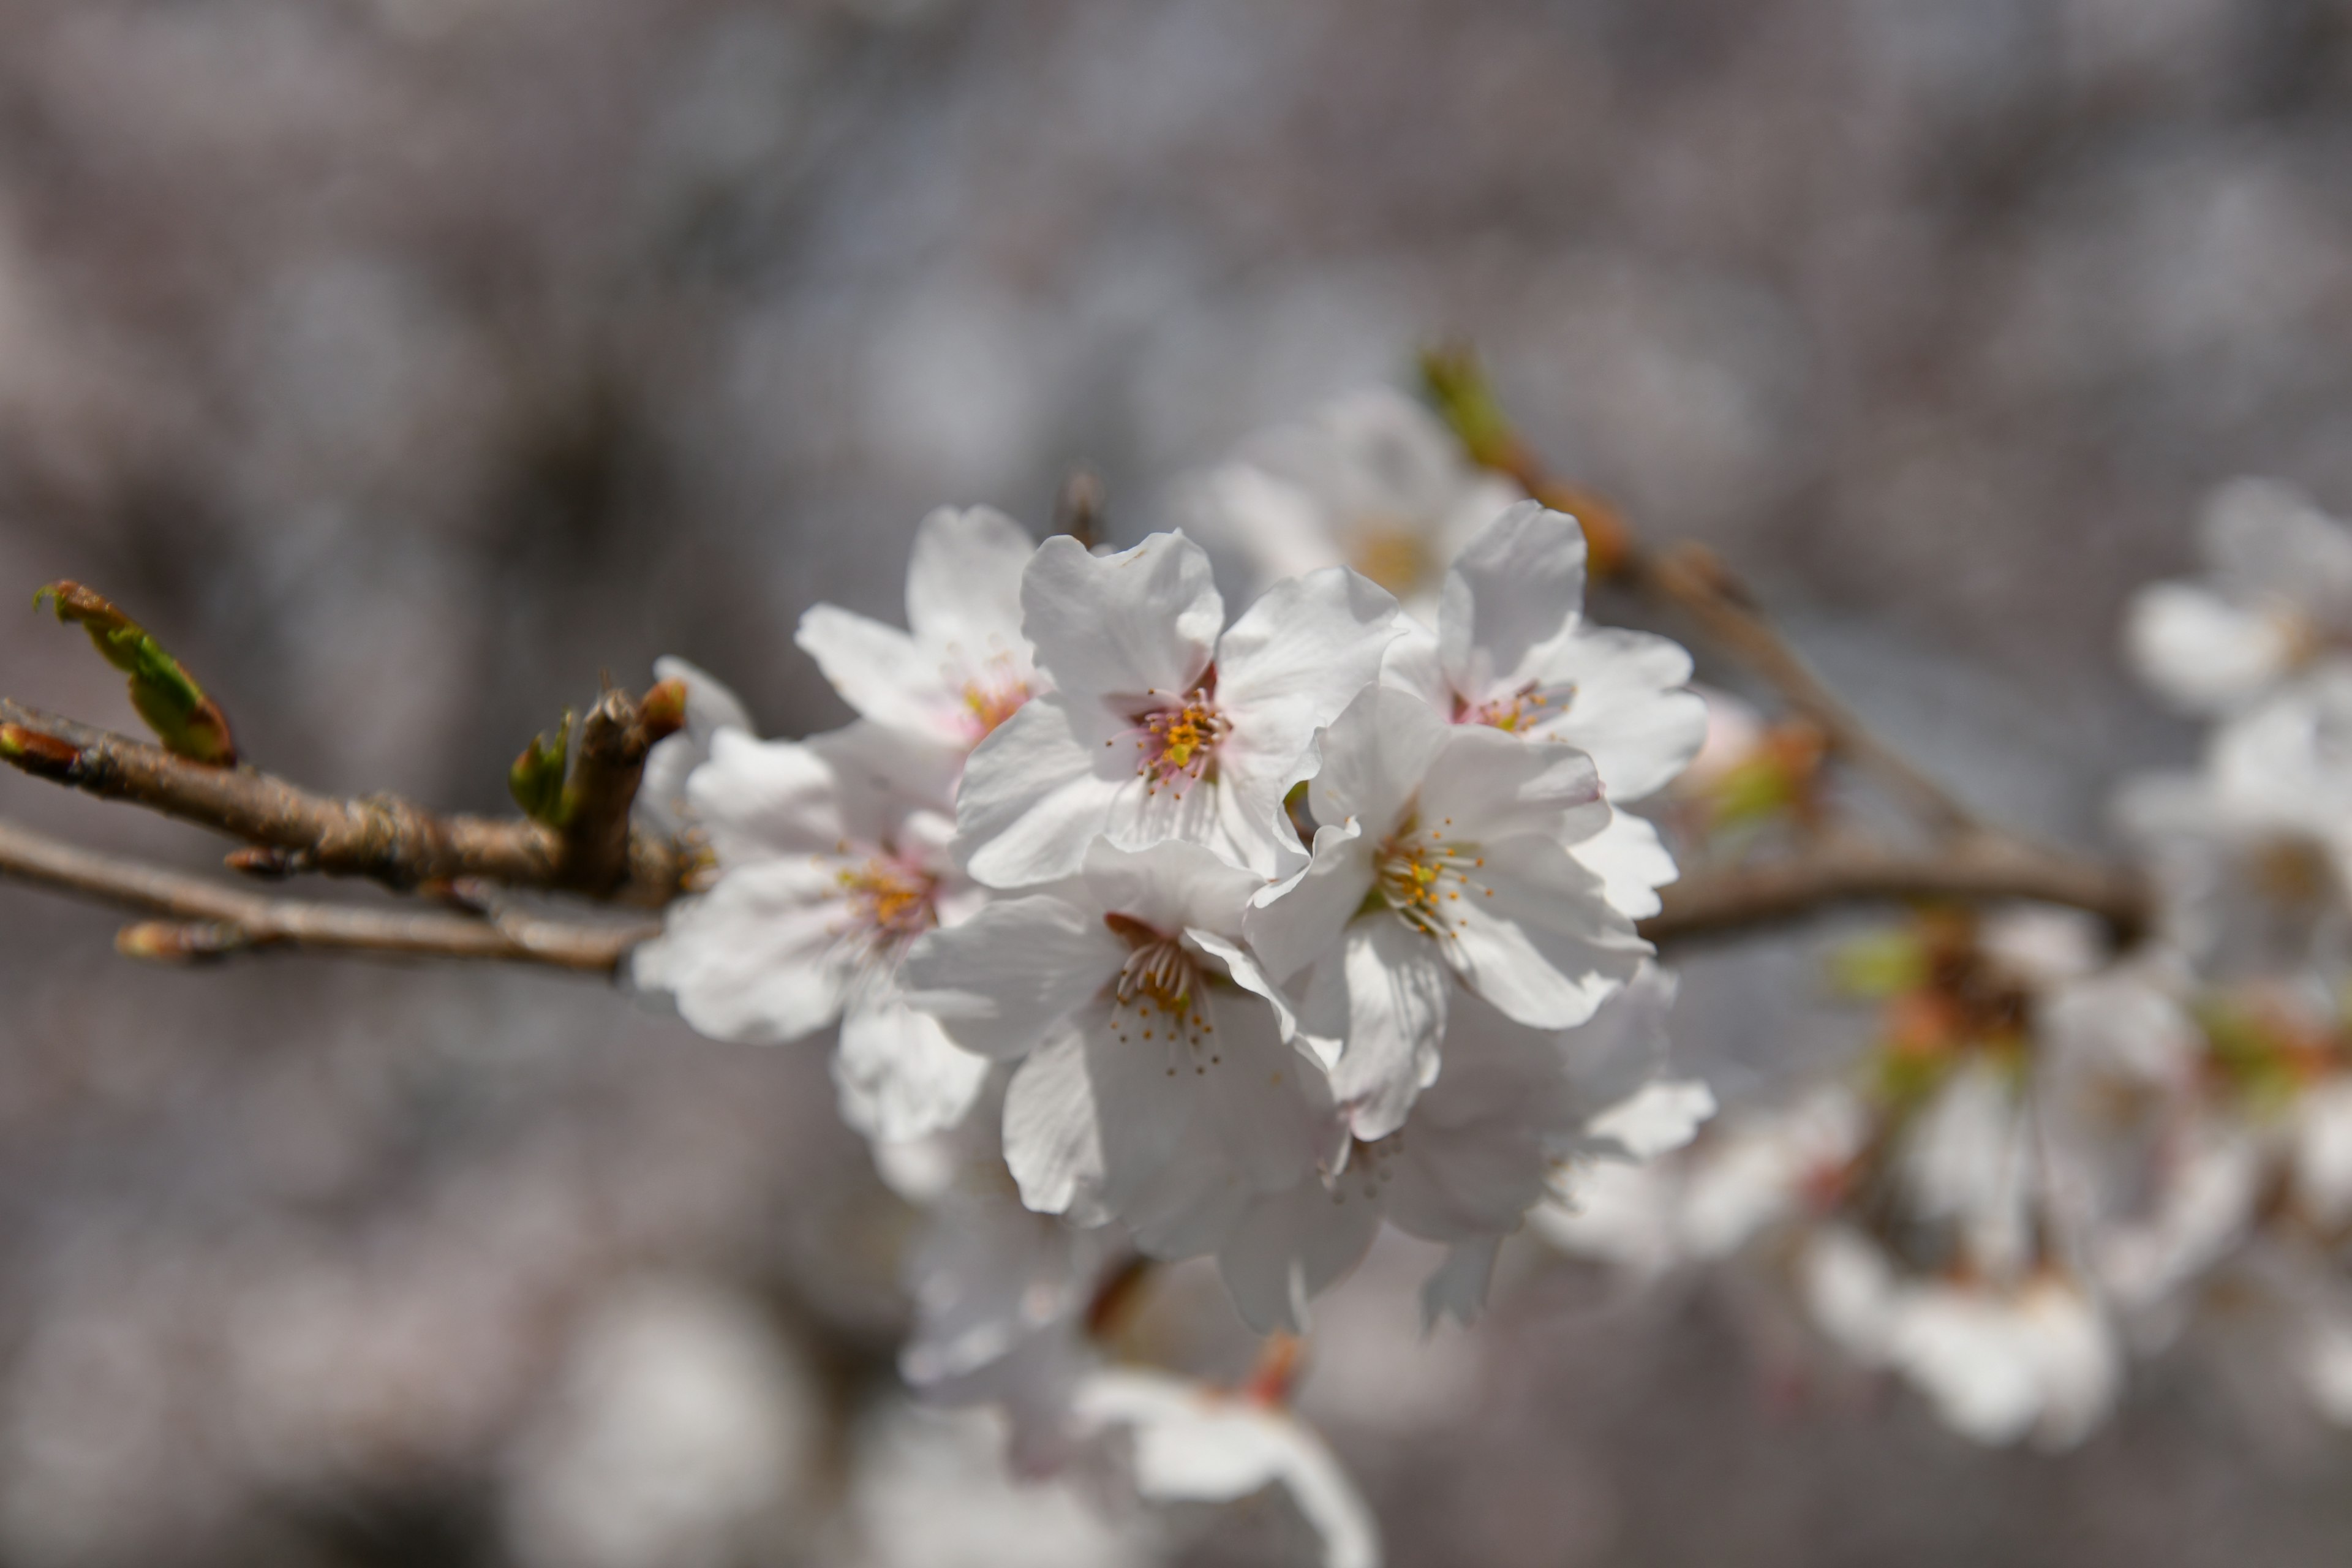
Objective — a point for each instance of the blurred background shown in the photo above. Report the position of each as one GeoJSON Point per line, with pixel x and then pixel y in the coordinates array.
{"type": "Point", "coordinates": [406, 363]}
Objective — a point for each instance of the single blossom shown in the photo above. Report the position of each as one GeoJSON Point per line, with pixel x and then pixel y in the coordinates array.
{"type": "Point", "coordinates": [962, 666]}
{"type": "Point", "coordinates": [1512, 649]}
{"type": "Point", "coordinates": [828, 865]}
{"type": "Point", "coordinates": [1443, 852]}
{"type": "Point", "coordinates": [2252, 855]}
{"type": "Point", "coordinates": [1999, 1363]}
{"type": "Point", "coordinates": [1519, 1114]}
{"type": "Point", "coordinates": [1160, 725]}
{"type": "Point", "coordinates": [2279, 597]}
{"type": "Point", "coordinates": [1374, 481]}
{"type": "Point", "coordinates": [1189, 1442]}
{"type": "Point", "coordinates": [1155, 1083]}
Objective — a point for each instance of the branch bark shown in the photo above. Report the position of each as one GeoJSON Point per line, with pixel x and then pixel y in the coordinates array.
{"type": "Point", "coordinates": [393, 841]}
{"type": "Point", "coordinates": [1980, 868]}
{"type": "Point", "coordinates": [204, 919]}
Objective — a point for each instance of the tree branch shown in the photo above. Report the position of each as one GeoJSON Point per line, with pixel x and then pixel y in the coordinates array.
{"type": "Point", "coordinates": [391, 840]}
{"type": "Point", "coordinates": [204, 920]}
{"type": "Point", "coordinates": [1980, 868]}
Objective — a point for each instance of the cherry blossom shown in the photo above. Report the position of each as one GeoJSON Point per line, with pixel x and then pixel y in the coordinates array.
{"type": "Point", "coordinates": [1157, 1085]}
{"type": "Point", "coordinates": [828, 865]}
{"type": "Point", "coordinates": [1516, 1115]}
{"type": "Point", "coordinates": [2278, 598]}
{"type": "Point", "coordinates": [1512, 649]}
{"type": "Point", "coordinates": [962, 667]}
{"type": "Point", "coordinates": [1160, 725]}
{"type": "Point", "coordinates": [1444, 852]}
{"type": "Point", "coordinates": [1374, 481]}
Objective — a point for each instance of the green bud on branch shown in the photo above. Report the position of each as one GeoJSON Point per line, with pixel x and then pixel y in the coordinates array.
{"type": "Point", "coordinates": [188, 722]}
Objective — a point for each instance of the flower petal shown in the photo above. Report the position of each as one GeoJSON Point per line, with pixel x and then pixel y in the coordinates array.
{"type": "Point", "coordinates": [1143, 620]}
{"type": "Point", "coordinates": [1485, 786]}
{"type": "Point", "coordinates": [879, 670]}
{"type": "Point", "coordinates": [1518, 588]}
{"type": "Point", "coordinates": [1543, 946]}
{"type": "Point", "coordinates": [754, 958]}
{"type": "Point", "coordinates": [1631, 861]}
{"type": "Point", "coordinates": [1630, 708]}
{"type": "Point", "coordinates": [1397, 990]}
{"type": "Point", "coordinates": [1294, 921]}
{"type": "Point", "coordinates": [963, 581]}
{"type": "Point", "coordinates": [1290, 1247]}
{"type": "Point", "coordinates": [898, 1075]}
{"type": "Point", "coordinates": [1053, 1139]}
{"type": "Point", "coordinates": [1000, 982]}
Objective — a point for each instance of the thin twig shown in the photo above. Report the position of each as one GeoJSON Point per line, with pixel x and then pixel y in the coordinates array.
{"type": "Point", "coordinates": [391, 840]}
{"type": "Point", "coordinates": [1981, 868]}
{"type": "Point", "coordinates": [204, 920]}
{"type": "Point", "coordinates": [604, 777]}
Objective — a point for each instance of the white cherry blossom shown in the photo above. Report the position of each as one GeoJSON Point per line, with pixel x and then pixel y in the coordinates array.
{"type": "Point", "coordinates": [1161, 725]}
{"type": "Point", "coordinates": [1512, 649]}
{"type": "Point", "coordinates": [962, 667]}
{"type": "Point", "coordinates": [1444, 852]}
{"type": "Point", "coordinates": [2279, 597]}
{"type": "Point", "coordinates": [829, 864]}
{"type": "Point", "coordinates": [1518, 1115]}
{"type": "Point", "coordinates": [1374, 481]}
{"type": "Point", "coordinates": [1156, 1085]}
{"type": "Point", "coordinates": [1189, 1442]}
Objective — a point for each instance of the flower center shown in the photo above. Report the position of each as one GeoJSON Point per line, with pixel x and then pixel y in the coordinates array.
{"type": "Point", "coordinates": [891, 902]}
{"type": "Point", "coordinates": [1161, 999]}
{"type": "Point", "coordinates": [1393, 555]}
{"type": "Point", "coordinates": [991, 696]}
{"type": "Point", "coordinates": [1178, 740]}
{"type": "Point", "coordinates": [1421, 878]}
{"type": "Point", "coordinates": [1528, 706]}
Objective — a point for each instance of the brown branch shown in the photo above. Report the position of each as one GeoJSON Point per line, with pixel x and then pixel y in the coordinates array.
{"type": "Point", "coordinates": [594, 848]}
{"type": "Point", "coordinates": [1980, 868]}
{"type": "Point", "coordinates": [391, 840]}
{"type": "Point", "coordinates": [204, 920]}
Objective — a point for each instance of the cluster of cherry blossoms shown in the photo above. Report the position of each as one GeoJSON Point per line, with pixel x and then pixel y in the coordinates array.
{"type": "Point", "coordinates": [2060, 1154]}
{"type": "Point", "coordinates": [1147, 933]}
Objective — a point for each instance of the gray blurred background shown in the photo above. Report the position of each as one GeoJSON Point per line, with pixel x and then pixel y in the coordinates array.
{"type": "Point", "coordinates": [406, 363]}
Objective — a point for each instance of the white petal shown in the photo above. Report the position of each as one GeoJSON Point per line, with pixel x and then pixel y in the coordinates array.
{"type": "Point", "coordinates": [2203, 653]}
{"type": "Point", "coordinates": [1033, 795]}
{"type": "Point", "coordinates": [1539, 941]}
{"type": "Point", "coordinates": [754, 958]}
{"type": "Point", "coordinates": [879, 670]}
{"type": "Point", "coordinates": [963, 581]}
{"type": "Point", "coordinates": [1172, 885]}
{"type": "Point", "coordinates": [1302, 652]}
{"type": "Point", "coordinates": [1141, 621]}
{"type": "Point", "coordinates": [764, 799]}
{"type": "Point", "coordinates": [710, 705]}
{"type": "Point", "coordinates": [1658, 1118]}
{"type": "Point", "coordinates": [1373, 757]}
{"type": "Point", "coordinates": [1631, 861]}
{"type": "Point", "coordinates": [1485, 786]}
{"type": "Point", "coordinates": [898, 1075]}
{"type": "Point", "coordinates": [2269, 541]}
{"type": "Point", "coordinates": [1290, 1247]}
{"type": "Point", "coordinates": [2322, 1151]}
{"type": "Point", "coordinates": [1518, 588]}
{"type": "Point", "coordinates": [1292, 923]}
{"type": "Point", "coordinates": [1052, 1140]}
{"type": "Point", "coordinates": [1004, 979]}
{"type": "Point", "coordinates": [1410, 665]}
{"type": "Point", "coordinates": [1630, 710]}
{"type": "Point", "coordinates": [1397, 990]}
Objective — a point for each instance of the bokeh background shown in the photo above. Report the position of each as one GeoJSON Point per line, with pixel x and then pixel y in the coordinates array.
{"type": "Point", "coordinates": [407, 364]}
